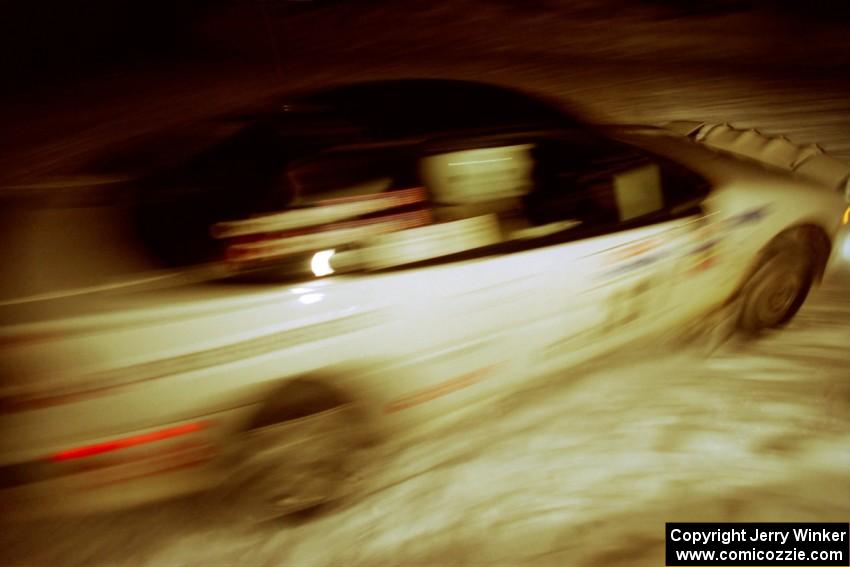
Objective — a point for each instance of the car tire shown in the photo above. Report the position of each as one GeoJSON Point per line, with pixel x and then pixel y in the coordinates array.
{"type": "Point", "coordinates": [299, 467]}
{"type": "Point", "coordinates": [777, 289]}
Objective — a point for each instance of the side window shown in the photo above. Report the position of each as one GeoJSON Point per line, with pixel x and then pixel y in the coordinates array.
{"type": "Point", "coordinates": [545, 190]}
{"type": "Point", "coordinates": [607, 186]}
{"type": "Point", "coordinates": [683, 188]}
{"type": "Point", "coordinates": [394, 207]}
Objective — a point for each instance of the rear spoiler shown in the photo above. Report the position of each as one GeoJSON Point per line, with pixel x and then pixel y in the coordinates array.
{"type": "Point", "coordinates": [808, 161]}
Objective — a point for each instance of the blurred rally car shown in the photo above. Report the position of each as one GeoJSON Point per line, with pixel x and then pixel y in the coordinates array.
{"type": "Point", "coordinates": [362, 260]}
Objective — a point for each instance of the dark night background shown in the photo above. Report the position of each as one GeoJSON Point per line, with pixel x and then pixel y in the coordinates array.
{"type": "Point", "coordinates": [51, 45]}
{"type": "Point", "coordinates": [83, 76]}
{"type": "Point", "coordinates": [53, 42]}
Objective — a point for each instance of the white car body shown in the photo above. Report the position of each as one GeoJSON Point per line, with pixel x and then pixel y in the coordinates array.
{"type": "Point", "coordinates": [112, 398]}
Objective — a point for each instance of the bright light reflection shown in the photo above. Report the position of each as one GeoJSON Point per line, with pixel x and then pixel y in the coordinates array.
{"type": "Point", "coordinates": [845, 248]}
{"type": "Point", "coordinates": [321, 263]}
{"type": "Point", "coordinates": [309, 298]}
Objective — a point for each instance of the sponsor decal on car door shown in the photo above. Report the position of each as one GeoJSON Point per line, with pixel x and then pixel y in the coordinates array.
{"type": "Point", "coordinates": [619, 285]}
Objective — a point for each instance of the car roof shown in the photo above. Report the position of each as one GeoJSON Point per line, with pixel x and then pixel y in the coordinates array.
{"type": "Point", "coordinates": [412, 107]}
{"type": "Point", "coordinates": [348, 113]}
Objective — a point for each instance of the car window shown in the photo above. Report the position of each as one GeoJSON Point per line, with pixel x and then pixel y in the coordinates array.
{"type": "Point", "coordinates": [683, 188]}
{"type": "Point", "coordinates": [544, 192]}
{"type": "Point", "coordinates": [394, 206]}
{"type": "Point", "coordinates": [601, 185]}
{"type": "Point", "coordinates": [608, 184]}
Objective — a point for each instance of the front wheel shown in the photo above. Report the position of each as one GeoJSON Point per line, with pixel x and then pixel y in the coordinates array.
{"type": "Point", "coordinates": [777, 290]}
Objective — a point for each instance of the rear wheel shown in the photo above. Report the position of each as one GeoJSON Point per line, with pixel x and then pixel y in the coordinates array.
{"type": "Point", "coordinates": [300, 466]}
{"type": "Point", "coordinates": [777, 290]}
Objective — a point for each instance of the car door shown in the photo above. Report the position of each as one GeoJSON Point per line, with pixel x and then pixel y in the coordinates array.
{"type": "Point", "coordinates": [570, 269]}
{"type": "Point", "coordinates": [639, 251]}
{"type": "Point", "coordinates": [464, 330]}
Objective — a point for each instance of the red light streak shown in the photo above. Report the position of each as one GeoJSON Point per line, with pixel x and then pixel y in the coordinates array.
{"type": "Point", "coordinates": [126, 442]}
